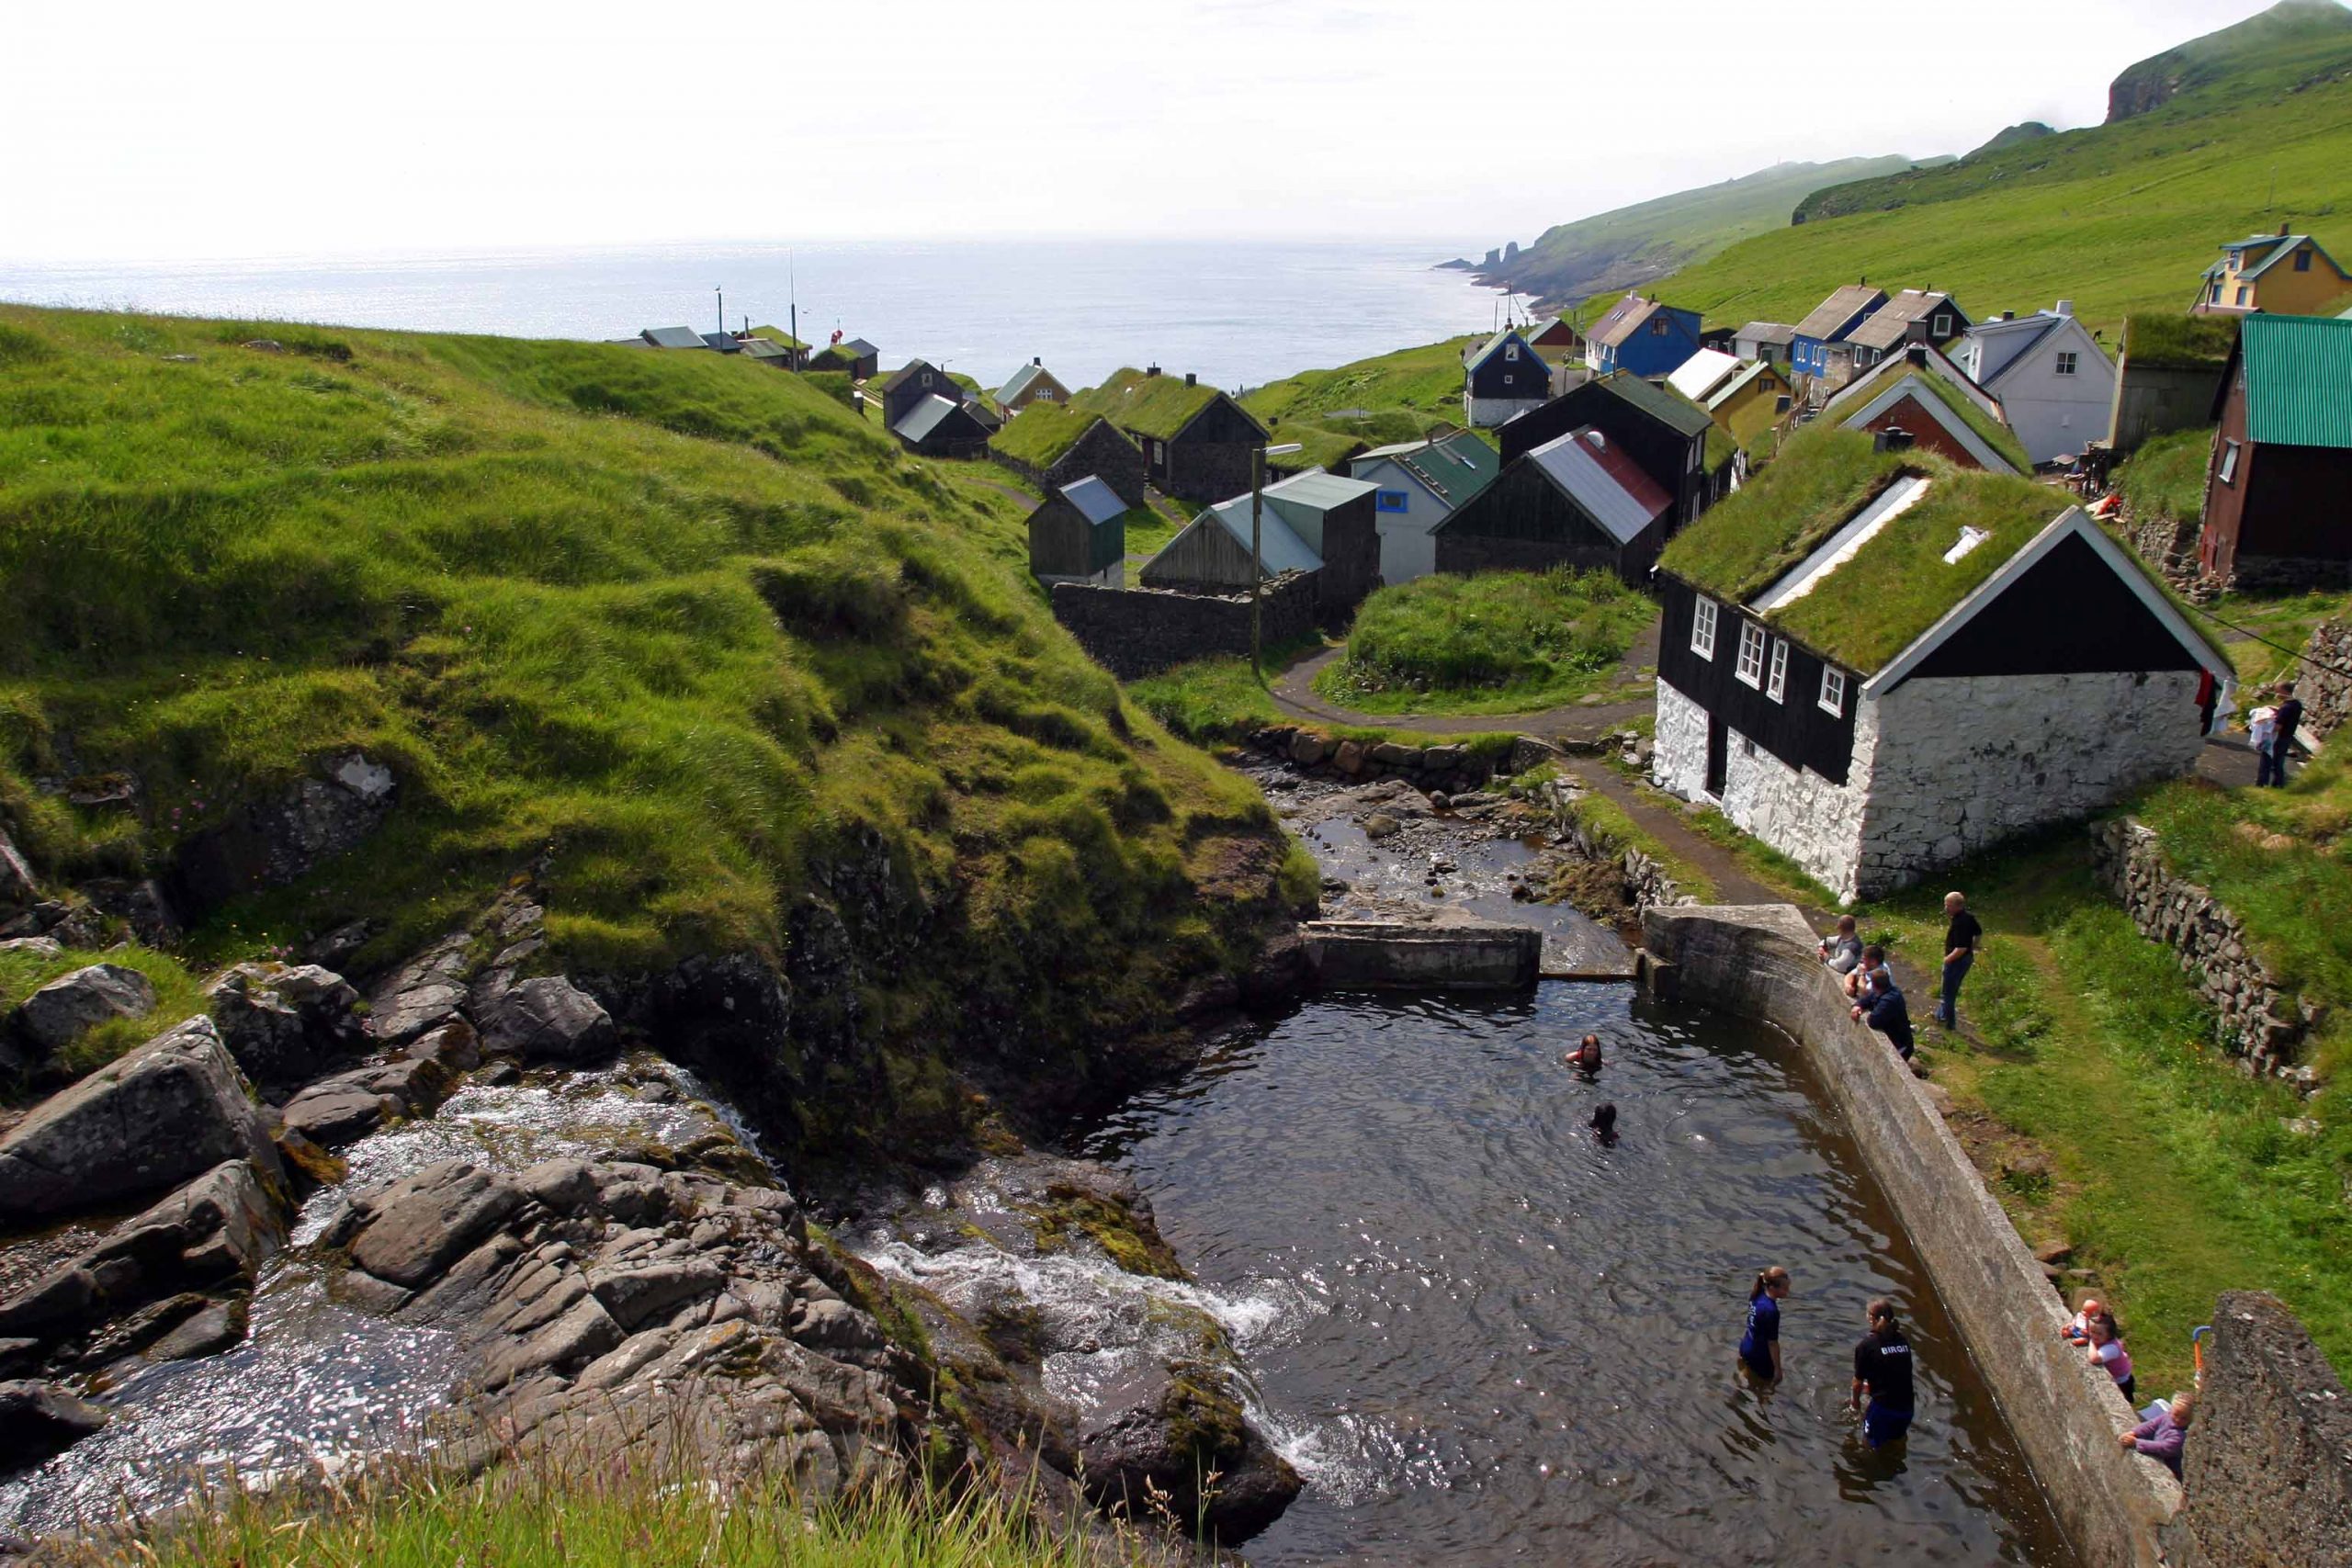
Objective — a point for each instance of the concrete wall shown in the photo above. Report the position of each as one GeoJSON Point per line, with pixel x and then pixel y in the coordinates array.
{"type": "Point", "coordinates": [2150, 402]}
{"type": "Point", "coordinates": [1350, 955]}
{"type": "Point", "coordinates": [1133, 632]}
{"type": "Point", "coordinates": [2269, 1456]}
{"type": "Point", "coordinates": [1763, 962]}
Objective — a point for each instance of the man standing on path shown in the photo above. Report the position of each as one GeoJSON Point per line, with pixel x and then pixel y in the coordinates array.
{"type": "Point", "coordinates": [1961, 939]}
{"type": "Point", "coordinates": [2271, 768]}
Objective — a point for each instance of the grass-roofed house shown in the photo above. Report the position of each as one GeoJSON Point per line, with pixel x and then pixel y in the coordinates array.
{"type": "Point", "coordinates": [1196, 441]}
{"type": "Point", "coordinates": [2282, 466]}
{"type": "Point", "coordinates": [1667, 435]}
{"type": "Point", "coordinates": [1420, 485]}
{"type": "Point", "coordinates": [1880, 663]}
{"type": "Point", "coordinates": [1052, 445]}
{"type": "Point", "coordinates": [1956, 420]}
{"type": "Point", "coordinates": [1313, 522]}
{"type": "Point", "coordinates": [858, 356]}
{"type": "Point", "coordinates": [1578, 501]}
{"type": "Point", "coordinates": [1079, 534]}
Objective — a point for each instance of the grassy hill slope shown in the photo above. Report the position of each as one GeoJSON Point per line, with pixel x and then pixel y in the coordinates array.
{"type": "Point", "coordinates": [1610, 252]}
{"type": "Point", "coordinates": [679, 627]}
{"type": "Point", "coordinates": [1371, 403]}
{"type": "Point", "coordinates": [2236, 52]}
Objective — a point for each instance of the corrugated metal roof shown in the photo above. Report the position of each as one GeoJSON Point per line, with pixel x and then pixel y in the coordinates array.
{"type": "Point", "coordinates": [1095, 501]}
{"type": "Point", "coordinates": [1451, 467]}
{"type": "Point", "coordinates": [1279, 549]}
{"type": "Point", "coordinates": [673, 337]}
{"type": "Point", "coordinates": [1020, 382]}
{"type": "Point", "coordinates": [1703, 373]}
{"type": "Point", "coordinates": [2298, 379]}
{"type": "Point", "coordinates": [1765, 331]}
{"type": "Point", "coordinates": [1891, 322]}
{"type": "Point", "coordinates": [1592, 472]}
{"type": "Point", "coordinates": [924, 417]}
{"type": "Point", "coordinates": [1321, 491]}
{"type": "Point", "coordinates": [857, 348]}
{"type": "Point", "coordinates": [1841, 306]}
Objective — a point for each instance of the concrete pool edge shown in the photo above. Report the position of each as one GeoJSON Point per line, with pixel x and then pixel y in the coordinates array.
{"type": "Point", "coordinates": [1761, 961]}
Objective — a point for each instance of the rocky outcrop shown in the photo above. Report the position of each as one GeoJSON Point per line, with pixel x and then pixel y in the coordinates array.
{"type": "Point", "coordinates": [1440, 767]}
{"type": "Point", "coordinates": [409, 1079]}
{"type": "Point", "coordinates": [424, 993]}
{"type": "Point", "coordinates": [1185, 1445]}
{"type": "Point", "coordinates": [283, 1024]}
{"type": "Point", "coordinates": [172, 1108]}
{"type": "Point", "coordinates": [71, 1006]}
{"type": "Point", "coordinates": [2323, 679]}
{"type": "Point", "coordinates": [2260, 1021]}
{"type": "Point", "coordinates": [18, 891]}
{"type": "Point", "coordinates": [39, 1419]}
{"type": "Point", "coordinates": [546, 1020]}
{"type": "Point", "coordinates": [271, 843]}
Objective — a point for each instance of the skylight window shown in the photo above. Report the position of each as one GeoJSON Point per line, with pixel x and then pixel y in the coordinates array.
{"type": "Point", "coordinates": [1846, 542]}
{"type": "Point", "coordinates": [1969, 539]}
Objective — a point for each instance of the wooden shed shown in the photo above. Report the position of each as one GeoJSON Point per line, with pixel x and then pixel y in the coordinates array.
{"type": "Point", "coordinates": [1079, 534]}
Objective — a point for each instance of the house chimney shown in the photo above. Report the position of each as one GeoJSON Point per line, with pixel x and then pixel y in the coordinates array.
{"type": "Point", "coordinates": [2282, 231]}
{"type": "Point", "coordinates": [1152, 370]}
{"type": "Point", "coordinates": [2009, 315]}
{"type": "Point", "coordinates": [1192, 379]}
{"type": "Point", "coordinates": [1916, 354]}
{"type": "Point", "coordinates": [1894, 438]}
{"type": "Point", "coordinates": [1039, 360]}
{"type": "Point", "coordinates": [2065, 307]}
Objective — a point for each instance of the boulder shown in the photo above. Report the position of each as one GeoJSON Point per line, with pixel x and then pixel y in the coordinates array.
{"type": "Point", "coordinates": [548, 1019]}
{"type": "Point", "coordinates": [423, 994]}
{"type": "Point", "coordinates": [1350, 757]}
{"type": "Point", "coordinates": [1190, 1425]}
{"type": "Point", "coordinates": [69, 1007]}
{"type": "Point", "coordinates": [339, 1112]}
{"type": "Point", "coordinates": [283, 1024]}
{"type": "Point", "coordinates": [1307, 748]}
{"type": "Point", "coordinates": [34, 946]}
{"type": "Point", "coordinates": [172, 1109]}
{"type": "Point", "coordinates": [418, 1226]}
{"type": "Point", "coordinates": [271, 843]}
{"type": "Point", "coordinates": [37, 1420]}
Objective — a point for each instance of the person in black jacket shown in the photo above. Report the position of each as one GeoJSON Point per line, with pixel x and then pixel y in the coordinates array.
{"type": "Point", "coordinates": [1882, 1369]}
{"type": "Point", "coordinates": [2270, 768]}
{"type": "Point", "coordinates": [1885, 1010]}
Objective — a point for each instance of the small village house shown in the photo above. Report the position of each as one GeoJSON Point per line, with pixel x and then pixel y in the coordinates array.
{"type": "Point", "coordinates": [1575, 502]}
{"type": "Point", "coordinates": [2168, 374]}
{"type": "Point", "coordinates": [1698, 377]}
{"type": "Point", "coordinates": [1879, 664]}
{"type": "Point", "coordinates": [1196, 441]}
{"type": "Point", "coordinates": [1555, 338]}
{"type": "Point", "coordinates": [858, 356]}
{"type": "Point", "coordinates": [1642, 336]}
{"type": "Point", "coordinates": [2283, 273]}
{"type": "Point", "coordinates": [941, 427]}
{"type": "Point", "coordinates": [1079, 534]}
{"type": "Point", "coordinates": [1748, 402]}
{"type": "Point", "coordinates": [909, 385]}
{"type": "Point", "coordinates": [1933, 414]}
{"type": "Point", "coordinates": [1666, 436]}
{"type": "Point", "coordinates": [1502, 378]}
{"type": "Point", "coordinates": [671, 338]}
{"type": "Point", "coordinates": [1052, 445]}
{"type": "Point", "coordinates": [1915, 315]}
{"type": "Point", "coordinates": [2056, 387]}
{"type": "Point", "coordinates": [1764, 340]}
{"type": "Point", "coordinates": [1419, 485]}
{"type": "Point", "coordinates": [1032, 383]}
{"type": "Point", "coordinates": [763, 351]}
{"type": "Point", "coordinates": [1828, 325]}
{"type": "Point", "coordinates": [1311, 522]}
{"type": "Point", "coordinates": [2277, 484]}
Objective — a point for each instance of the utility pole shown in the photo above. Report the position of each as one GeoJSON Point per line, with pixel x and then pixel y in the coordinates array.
{"type": "Point", "coordinates": [792, 297]}
{"type": "Point", "coordinates": [1258, 455]}
{"type": "Point", "coordinates": [723, 310]}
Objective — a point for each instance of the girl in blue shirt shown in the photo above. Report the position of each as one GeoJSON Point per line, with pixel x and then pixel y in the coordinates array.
{"type": "Point", "coordinates": [1759, 1347]}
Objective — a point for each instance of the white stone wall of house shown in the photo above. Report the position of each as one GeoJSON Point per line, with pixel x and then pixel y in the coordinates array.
{"type": "Point", "coordinates": [1816, 823]}
{"type": "Point", "coordinates": [1679, 745]}
{"type": "Point", "coordinates": [1483, 413]}
{"type": "Point", "coordinates": [1960, 765]}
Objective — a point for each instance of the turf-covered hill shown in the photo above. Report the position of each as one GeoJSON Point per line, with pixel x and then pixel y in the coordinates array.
{"type": "Point", "coordinates": [2118, 218]}
{"type": "Point", "coordinates": [1335, 413]}
{"type": "Point", "coordinates": [678, 630]}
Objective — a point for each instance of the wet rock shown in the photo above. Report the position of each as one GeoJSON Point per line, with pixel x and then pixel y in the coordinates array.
{"type": "Point", "coordinates": [1280, 971]}
{"type": "Point", "coordinates": [271, 843]}
{"type": "Point", "coordinates": [547, 1019]}
{"type": "Point", "coordinates": [168, 1111]}
{"type": "Point", "coordinates": [283, 1024]}
{"type": "Point", "coordinates": [217, 1327]}
{"type": "Point", "coordinates": [338, 1113]}
{"type": "Point", "coordinates": [63, 1011]}
{"type": "Point", "coordinates": [1307, 749]}
{"type": "Point", "coordinates": [642, 1294]}
{"type": "Point", "coordinates": [17, 889]}
{"type": "Point", "coordinates": [39, 1419]}
{"type": "Point", "coordinates": [1189, 1426]}
{"type": "Point", "coordinates": [421, 995]}
{"type": "Point", "coordinates": [419, 1226]}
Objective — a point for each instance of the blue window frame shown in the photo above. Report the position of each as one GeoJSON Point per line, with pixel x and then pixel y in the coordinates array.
{"type": "Point", "coordinates": [1394, 500]}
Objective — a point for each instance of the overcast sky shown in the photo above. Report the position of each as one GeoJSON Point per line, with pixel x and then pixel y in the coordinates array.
{"type": "Point", "coordinates": [133, 129]}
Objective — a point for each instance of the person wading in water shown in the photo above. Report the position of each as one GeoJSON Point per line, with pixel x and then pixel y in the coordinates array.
{"type": "Point", "coordinates": [1586, 1057]}
{"type": "Point", "coordinates": [1759, 1347]}
{"type": "Point", "coordinates": [1882, 1369]}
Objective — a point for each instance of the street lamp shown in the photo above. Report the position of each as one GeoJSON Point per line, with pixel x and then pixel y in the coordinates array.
{"type": "Point", "coordinates": [1258, 455]}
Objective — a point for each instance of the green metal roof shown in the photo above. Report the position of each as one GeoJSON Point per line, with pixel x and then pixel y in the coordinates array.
{"type": "Point", "coordinates": [1672, 408]}
{"type": "Point", "coordinates": [2298, 379]}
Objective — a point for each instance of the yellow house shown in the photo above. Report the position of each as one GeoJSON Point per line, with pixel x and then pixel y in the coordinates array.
{"type": "Point", "coordinates": [1747, 405]}
{"type": "Point", "coordinates": [2284, 273]}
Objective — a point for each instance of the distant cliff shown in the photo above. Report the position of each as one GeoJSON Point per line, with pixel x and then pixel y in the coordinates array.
{"type": "Point", "coordinates": [2203, 60]}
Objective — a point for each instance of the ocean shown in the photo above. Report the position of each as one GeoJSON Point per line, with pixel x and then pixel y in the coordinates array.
{"type": "Point", "coordinates": [1238, 314]}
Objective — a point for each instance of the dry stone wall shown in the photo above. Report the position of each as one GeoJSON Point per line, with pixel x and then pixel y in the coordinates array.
{"type": "Point", "coordinates": [1442, 770]}
{"type": "Point", "coordinates": [1134, 632]}
{"type": "Point", "coordinates": [2262, 1022]}
{"type": "Point", "coordinates": [2324, 678]}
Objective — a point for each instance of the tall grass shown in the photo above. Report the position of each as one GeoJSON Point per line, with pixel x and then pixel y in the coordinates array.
{"type": "Point", "coordinates": [1530, 639]}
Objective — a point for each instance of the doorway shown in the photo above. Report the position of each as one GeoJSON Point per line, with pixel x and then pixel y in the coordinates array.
{"type": "Point", "coordinates": [1718, 754]}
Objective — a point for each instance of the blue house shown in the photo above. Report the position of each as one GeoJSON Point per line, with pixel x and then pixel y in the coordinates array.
{"type": "Point", "coordinates": [1830, 323]}
{"type": "Point", "coordinates": [1643, 337]}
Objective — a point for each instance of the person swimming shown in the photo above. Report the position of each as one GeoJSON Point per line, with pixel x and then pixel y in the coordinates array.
{"type": "Point", "coordinates": [1604, 1123]}
{"type": "Point", "coordinates": [1586, 1057]}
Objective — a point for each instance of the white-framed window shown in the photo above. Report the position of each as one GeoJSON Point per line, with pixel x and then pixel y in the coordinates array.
{"type": "Point", "coordinates": [2067, 363]}
{"type": "Point", "coordinates": [1940, 328]}
{"type": "Point", "coordinates": [2229, 462]}
{"type": "Point", "coordinates": [1511, 351]}
{"type": "Point", "coordinates": [1702, 628]}
{"type": "Point", "coordinates": [1776, 685]}
{"type": "Point", "coordinates": [1751, 653]}
{"type": "Point", "coordinates": [1833, 692]}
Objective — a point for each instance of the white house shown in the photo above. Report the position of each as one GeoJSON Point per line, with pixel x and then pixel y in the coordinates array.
{"type": "Point", "coordinates": [2056, 385]}
{"type": "Point", "coordinates": [1703, 373]}
{"type": "Point", "coordinates": [1957, 659]}
{"type": "Point", "coordinates": [1421, 483]}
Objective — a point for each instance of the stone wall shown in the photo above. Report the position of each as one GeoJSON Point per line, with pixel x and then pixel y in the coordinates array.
{"type": "Point", "coordinates": [2324, 680]}
{"type": "Point", "coordinates": [2268, 1461]}
{"type": "Point", "coordinates": [2150, 402]}
{"type": "Point", "coordinates": [1957, 766]}
{"type": "Point", "coordinates": [2262, 1024]}
{"type": "Point", "coordinates": [1439, 769]}
{"type": "Point", "coordinates": [1133, 632]}
{"type": "Point", "coordinates": [2287, 574]}
{"type": "Point", "coordinates": [1764, 963]}
{"type": "Point", "coordinates": [2168, 544]}
{"type": "Point", "coordinates": [1646, 881]}
{"type": "Point", "coordinates": [1814, 822]}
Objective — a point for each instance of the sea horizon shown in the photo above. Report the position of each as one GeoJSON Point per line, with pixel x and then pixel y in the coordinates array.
{"type": "Point", "coordinates": [1236, 313]}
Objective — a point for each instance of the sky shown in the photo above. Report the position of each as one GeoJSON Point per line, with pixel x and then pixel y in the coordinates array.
{"type": "Point", "coordinates": [132, 130]}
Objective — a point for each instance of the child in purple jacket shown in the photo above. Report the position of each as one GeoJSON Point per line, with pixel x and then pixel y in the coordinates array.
{"type": "Point", "coordinates": [2163, 1438]}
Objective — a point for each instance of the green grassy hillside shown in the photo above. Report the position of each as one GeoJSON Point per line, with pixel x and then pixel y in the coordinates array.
{"type": "Point", "coordinates": [1614, 251]}
{"type": "Point", "coordinates": [2234, 53]}
{"type": "Point", "coordinates": [682, 626]}
{"type": "Point", "coordinates": [1372, 402]}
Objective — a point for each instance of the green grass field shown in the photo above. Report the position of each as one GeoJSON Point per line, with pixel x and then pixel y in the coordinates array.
{"type": "Point", "coordinates": [681, 626]}
{"type": "Point", "coordinates": [1499, 642]}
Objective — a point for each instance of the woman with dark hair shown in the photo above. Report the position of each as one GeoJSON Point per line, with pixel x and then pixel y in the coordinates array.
{"type": "Point", "coordinates": [1586, 1057]}
{"type": "Point", "coordinates": [1760, 1347]}
{"type": "Point", "coordinates": [1882, 1369]}
{"type": "Point", "coordinates": [1604, 1123]}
